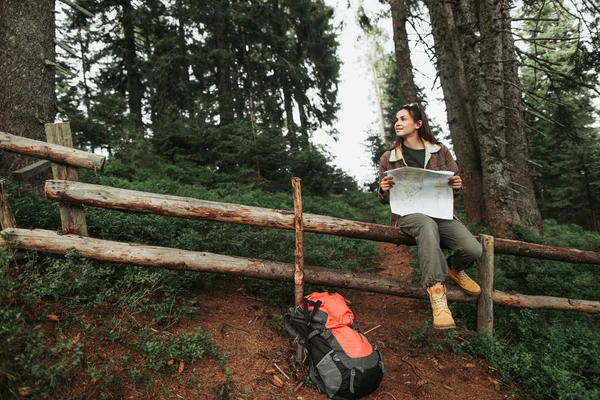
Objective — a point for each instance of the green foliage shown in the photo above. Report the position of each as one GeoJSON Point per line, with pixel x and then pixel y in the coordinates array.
{"type": "Point", "coordinates": [158, 349]}
{"type": "Point", "coordinates": [560, 114]}
{"type": "Point", "coordinates": [26, 358]}
{"type": "Point", "coordinates": [41, 357]}
{"type": "Point", "coordinates": [547, 354]}
{"type": "Point", "coordinates": [118, 296]}
{"type": "Point", "coordinates": [207, 84]}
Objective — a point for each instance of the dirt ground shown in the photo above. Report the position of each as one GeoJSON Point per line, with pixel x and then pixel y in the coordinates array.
{"type": "Point", "coordinates": [249, 331]}
{"type": "Point", "coordinates": [261, 358]}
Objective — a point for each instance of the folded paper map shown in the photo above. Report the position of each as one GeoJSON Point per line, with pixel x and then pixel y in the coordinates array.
{"type": "Point", "coordinates": [419, 190]}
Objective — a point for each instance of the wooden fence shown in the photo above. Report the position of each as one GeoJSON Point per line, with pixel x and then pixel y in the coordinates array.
{"type": "Point", "coordinates": [73, 196]}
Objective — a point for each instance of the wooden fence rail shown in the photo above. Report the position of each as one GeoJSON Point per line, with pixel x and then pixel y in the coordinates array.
{"type": "Point", "coordinates": [52, 152]}
{"type": "Point", "coordinates": [70, 193]}
{"type": "Point", "coordinates": [186, 207]}
{"type": "Point", "coordinates": [153, 256]}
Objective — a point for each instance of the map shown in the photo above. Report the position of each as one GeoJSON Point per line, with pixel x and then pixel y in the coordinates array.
{"type": "Point", "coordinates": [424, 191]}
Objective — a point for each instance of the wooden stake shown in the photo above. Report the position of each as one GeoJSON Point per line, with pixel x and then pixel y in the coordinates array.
{"type": "Point", "coordinates": [7, 218]}
{"type": "Point", "coordinates": [299, 253]}
{"type": "Point", "coordinates": [485, 303]}
{"type": "Point", "coordinates": [72, 216]}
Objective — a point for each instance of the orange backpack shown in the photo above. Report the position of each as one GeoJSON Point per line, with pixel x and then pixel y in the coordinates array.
{"type": "Point", "coordinates": [344, 364]}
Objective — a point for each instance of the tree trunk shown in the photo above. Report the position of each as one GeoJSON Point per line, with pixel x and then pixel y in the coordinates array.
{"type": "Point", "coordinates": [134, 81]}
{"type": "Point", "coordinates": [185, 100]}
{"type": "Point", "coordinates": [27, 91]}
{"type": "Point", "coordinates": [302, 101]}
{"type": "Point", "coordinates": [450, 53]}
{"type": "Point", "coordinates": [407, 90]}
{"type": "Point", "coordinates": [500, 209]}
{"type": "Point", "coordinates": [516, 146]}
{"type": "Point", "coordinates": [289, 115]}
{"type": "Point", "coordinates": [223, 75]}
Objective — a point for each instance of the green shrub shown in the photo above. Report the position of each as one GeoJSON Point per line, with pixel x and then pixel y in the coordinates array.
{"type": "Point", "coordinates": [547, 354]}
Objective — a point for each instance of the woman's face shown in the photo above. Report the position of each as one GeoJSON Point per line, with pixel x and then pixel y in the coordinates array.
{"type": "Point", "coordinates": [405, 125]}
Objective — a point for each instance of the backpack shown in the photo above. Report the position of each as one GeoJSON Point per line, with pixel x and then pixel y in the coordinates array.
{"type": "Point", "coordinates": [343, 363]}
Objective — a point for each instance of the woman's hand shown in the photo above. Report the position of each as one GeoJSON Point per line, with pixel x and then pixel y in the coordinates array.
{"type": "Point", "coordinates": [386, 183]}
{"type": "Point", "coordinates": [455, 182]}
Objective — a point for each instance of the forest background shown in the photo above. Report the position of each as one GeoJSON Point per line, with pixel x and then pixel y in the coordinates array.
{"type": "Point", "coordinates": [219, 100]}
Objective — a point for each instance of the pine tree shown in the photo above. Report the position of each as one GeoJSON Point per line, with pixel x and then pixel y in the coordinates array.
{"type": "Point", "coordinates": [560, 117]}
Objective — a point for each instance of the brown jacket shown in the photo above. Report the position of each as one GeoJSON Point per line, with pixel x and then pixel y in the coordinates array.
{"type": "Point", "coordinates": [437, 158]}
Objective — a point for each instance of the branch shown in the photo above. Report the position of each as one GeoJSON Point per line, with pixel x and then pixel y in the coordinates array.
{"type": "Point", "coordinates": [529, 19]}
{"type": "Point", "coordinates": [564, 76]}
{"type": "Point", "coordinates": [428, 49]}
{"type": "Point", "coordinates": [536, 164]}
{"type": "Point", "coordinates": [66, 48]}
{"type": "Point", "coordinates": [535, 130]}
{"type": "Point", "coordinates": [562, 39]}
{"type": "Point", "coordinates": [592, 6]}
{"type": "Point", "coordinates": [79, 8]}
{"type": "Point", "coordinates": [526, 91]}
{"type": "Point", "coordinates": [525, 39]}
{"type": "Point", "coordinates": [536, 58]}
{"type": "Point", "coordinates": [59, 68]}
{"type": "Point", "coordinates": [559, 4]}
{"type": "Point", "coordinates": [530, 109]}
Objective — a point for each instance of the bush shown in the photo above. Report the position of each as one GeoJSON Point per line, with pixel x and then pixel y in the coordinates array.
{"type": "Point", "coordinates": [548, 354]}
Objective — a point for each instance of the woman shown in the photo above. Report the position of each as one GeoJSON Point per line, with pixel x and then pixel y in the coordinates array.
{"type": "Point", "coordinates": [416, 146]}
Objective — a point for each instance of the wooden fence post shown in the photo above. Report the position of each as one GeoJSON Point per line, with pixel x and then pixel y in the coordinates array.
{"type": "Point", "coordinates": [485, 303]}
{"type": "Point", "coordinates": [72, 216]}
{"type": "Point", "coordinates": [299, 252]}
{"type": "Point", "coordinates": [7, 218]}
{"type": "Point", "coordinates": [298, 258]}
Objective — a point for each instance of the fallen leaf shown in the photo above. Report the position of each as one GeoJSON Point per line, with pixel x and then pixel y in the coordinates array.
{"type": "Point", "coordinates": [52, 317]}
{"type": "Point", "coordinates": [495, 382]}
{"type": "Point", "coordinates": [276, 381]}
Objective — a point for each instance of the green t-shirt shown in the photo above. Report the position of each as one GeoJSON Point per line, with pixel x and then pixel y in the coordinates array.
{"type": "Point", "coordinates": [413, 158]}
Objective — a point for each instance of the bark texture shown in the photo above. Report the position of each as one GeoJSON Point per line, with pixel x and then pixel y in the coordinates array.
{"type": "Point", "coordinates": [27, 98]}
{"type": "Point", "coordinates": [516, 146]}
{"type": "Point", "coordinates": [453, 52]}
{"type": "Point", "coordinates": [478, 73]}
{"type": "Point", "coordinates": [406, 80]}
{"type": "Point", "coordinates": [500, 209]}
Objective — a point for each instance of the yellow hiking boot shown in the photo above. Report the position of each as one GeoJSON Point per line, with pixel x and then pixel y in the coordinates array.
{"type": "Point", "coordinates": [468, 285]}
{"type": "Point", "coordinates": [442, 317]}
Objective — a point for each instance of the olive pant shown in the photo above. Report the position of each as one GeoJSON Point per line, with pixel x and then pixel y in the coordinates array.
{"type": "Point", "coordinates": [430, 234]}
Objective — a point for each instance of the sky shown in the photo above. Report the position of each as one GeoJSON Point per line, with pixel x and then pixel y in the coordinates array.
{"type": "Point", "coordinates": [358, 114]}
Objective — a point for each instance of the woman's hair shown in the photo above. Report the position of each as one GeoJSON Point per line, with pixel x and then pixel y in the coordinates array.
{"type": "Point", "coordinates": [417, 115]}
